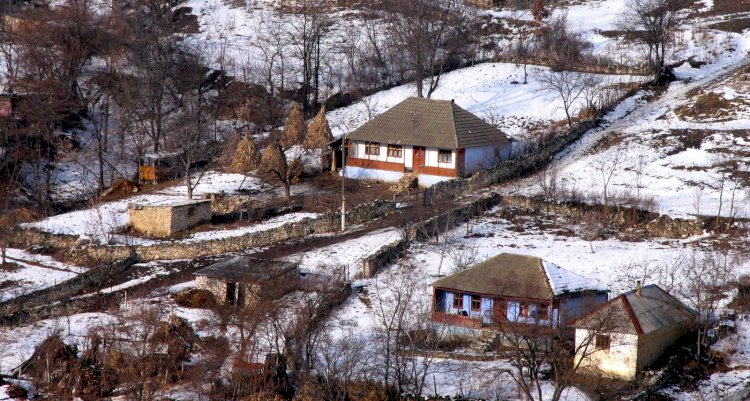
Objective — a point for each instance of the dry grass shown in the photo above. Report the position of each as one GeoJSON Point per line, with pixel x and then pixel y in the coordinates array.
{"type": "Point", "coordinates": [737, 25]}
{"type": "Point", "coordinates": [195, 298]}
{"type": "Point", "coordinates": [708, 105]}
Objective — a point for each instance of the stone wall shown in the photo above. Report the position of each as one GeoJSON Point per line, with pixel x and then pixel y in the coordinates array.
{"type": "Point", "coordinates": [48, 301]}
{"type": "Point", "coordinates": [88, 253]}
{"type": "Point", "coordinates": [186, 216]}
{"type": "Point", "coordinates": [384, 256]}
{"type": "Point", "coordinates": [515, 167]}
{"type": "Point", "coordinates": [387, 254]}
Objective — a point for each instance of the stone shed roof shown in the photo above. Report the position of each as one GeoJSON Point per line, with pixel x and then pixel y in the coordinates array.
{"type": "Point", "coordinates": [429, 122]}
{"type": "Point", "coordinates": [246, 268]}
{"type": "Point", "coordinates": [652, 310]}
{"type": "Point", "coordinates": [513, 275]}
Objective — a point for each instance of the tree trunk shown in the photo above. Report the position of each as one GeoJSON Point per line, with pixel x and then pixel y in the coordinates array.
{"type": "Point", "coordinates": [187, 181]}
{"type": "Point", "coordinates": [287, 195]}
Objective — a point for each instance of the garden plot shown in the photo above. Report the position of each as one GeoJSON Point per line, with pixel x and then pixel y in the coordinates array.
{"type": "Point", "coordinates": [347, 254]}
{"type": "Point", "coordinates": [28, 272]}
{"type": "Point", "coordinates": [269, 224]}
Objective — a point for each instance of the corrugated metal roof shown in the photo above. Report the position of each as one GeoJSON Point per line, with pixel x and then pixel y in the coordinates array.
{"type": "Point", "coordinates": [655, 309]}
{"type": "Point", "coordinates": [652, 310]}
{"type": "Point", "coordinates": [510, 275]}
{"type": "Point", "coordinates": [429, 122]}
{"type": "Point", "coordinates": [245, 268]}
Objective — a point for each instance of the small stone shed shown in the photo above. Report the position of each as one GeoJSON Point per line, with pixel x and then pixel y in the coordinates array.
{"type": "Point", "coordinates": [241, 280]}
{"type": "Point", "coordinates": [164, 218]}
{"type": "Point", "coordinates": [649, 320]}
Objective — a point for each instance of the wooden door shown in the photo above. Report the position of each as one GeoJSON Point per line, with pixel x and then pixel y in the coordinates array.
{"type": "Point", "coordinates": [418, 160]}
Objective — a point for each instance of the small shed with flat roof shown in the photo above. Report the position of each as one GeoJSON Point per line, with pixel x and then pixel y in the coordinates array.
{"type": "Point", "coordinates": [165, 218]}
{"type": "Point", "coordinates": [242, 280]}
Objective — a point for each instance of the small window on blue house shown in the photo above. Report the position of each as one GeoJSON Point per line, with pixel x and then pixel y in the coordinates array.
{"type": "Point", "coordinates": [458, 300]}
{"type": "Point", "coordinates": [476, 302]}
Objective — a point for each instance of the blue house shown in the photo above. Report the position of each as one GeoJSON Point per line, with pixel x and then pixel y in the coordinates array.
{"type": "Point", "coordinates": [514, 288]}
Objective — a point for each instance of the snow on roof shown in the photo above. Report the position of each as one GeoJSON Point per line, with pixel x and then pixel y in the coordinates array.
{"type": "Point", "coordinates": [562, 280]}
{"type": "Point", "coordinates": [515, 275]}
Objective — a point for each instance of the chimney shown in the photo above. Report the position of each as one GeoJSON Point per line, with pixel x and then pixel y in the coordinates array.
{"type": "Point", "coordinates": [453, 100]}
{"type": "Point", "coordinates": [638, 288]}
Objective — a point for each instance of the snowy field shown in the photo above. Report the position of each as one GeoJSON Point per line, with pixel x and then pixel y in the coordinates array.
{"type": "Point", "coordinates": [17, 344]}
{"type": "Point", "coordinates": [348, 254]}
{"type": "Point", "coordinates": [31, 273]}
{"type": "Point", "coordinates": [486, 90]}
{"type": "Point", "coordinates": [671, 156]}
{"type": "Point", "coordinates": [271, 223]}
{"type": "Point", "coordinates": [98, 222]}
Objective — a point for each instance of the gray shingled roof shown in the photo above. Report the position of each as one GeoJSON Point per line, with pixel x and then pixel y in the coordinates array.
{"type": "Point", "coordinates": [652, 310]}
{"type": "Point", "coordinates": [429, 122]}
{"type": "Point", "coordinates": [245, 268]}
{"type": "Point", "coordinates": [513, 275]}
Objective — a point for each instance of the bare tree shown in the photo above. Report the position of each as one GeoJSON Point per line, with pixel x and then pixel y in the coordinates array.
{"type": "Point", "coordinates": [190, 134]}
{"type": "Point", "coordinates": [429, 35]}
{"type": "Point", "coordinates": [536, 347]}
{"type": "Point", "coordinates": [654, 22]}
{"type": "Point", "coordinates": [607, 164]}
{"type": "Point", "coordinates": [275, 166]}
{"type": "Point", "coordinates": [307, 29]}
{"type": "Point", "coordinates": [704, 278]}
{"type": "Point", "coordinates": [568, 85]}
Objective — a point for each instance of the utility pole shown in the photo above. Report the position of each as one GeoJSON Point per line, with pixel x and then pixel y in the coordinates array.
{"type": "Point", "coordinates": [343, 178]}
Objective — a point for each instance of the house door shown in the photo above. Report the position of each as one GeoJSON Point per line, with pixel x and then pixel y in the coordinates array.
{"type": "Point", "coordinates": [231, 293]}
{"type": "Point", "coordinates": [499, 310]}
{"type": "Point", "coordinates": [419, 158]}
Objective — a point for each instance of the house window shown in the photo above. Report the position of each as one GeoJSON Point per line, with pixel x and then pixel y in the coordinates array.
{"type": "Point", "coordinates": [525, 310]}
{"type": "Point", "coordinates": [445, 156]}
{"type": "Point", "coordinates": [602, 341]}
{"type": "Point", "coordinates": [476, 302]}
{"type": "Point", "coordinates": [458, 301]}
{"type": "Point", "coordinates": [372, 148]}
{"type": "Point", "coordinates": [542, 313]}
{"type": "Point", "coordinates": [395, 150]}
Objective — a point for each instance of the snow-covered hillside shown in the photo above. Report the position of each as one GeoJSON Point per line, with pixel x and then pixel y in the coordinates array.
{"type": "Point", "coordinates": [678, 157]}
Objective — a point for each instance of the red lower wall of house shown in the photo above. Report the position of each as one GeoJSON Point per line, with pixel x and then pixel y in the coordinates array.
{"type": "Point", "coordinates": [375, 164]}
{"type": "Point", "coordinates": [439, 171]}
{"type": "Point", "coordinates": [456, 320]}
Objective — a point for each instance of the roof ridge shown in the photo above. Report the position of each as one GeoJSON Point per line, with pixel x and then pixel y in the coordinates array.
{"type": "Point", "coordinates": [546, 275]}
{"type": "Point", "coordinates": [453, 105]}
{"type": "Point", "coordinates": [631, 314]}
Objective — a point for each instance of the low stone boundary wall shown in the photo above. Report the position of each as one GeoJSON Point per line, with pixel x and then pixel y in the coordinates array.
{"type": "Point", "coordinates": [88, 253]}
{"type": "Point", "coordinates": [436, 225]}
{"type": "Point", "coordinates": [54, 300]}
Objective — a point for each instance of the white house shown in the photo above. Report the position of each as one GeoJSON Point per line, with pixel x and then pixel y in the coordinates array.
{"type": "Point", "coordinates": [434, 139]}
{"type": "Point", "coordinates": [625, 335]}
